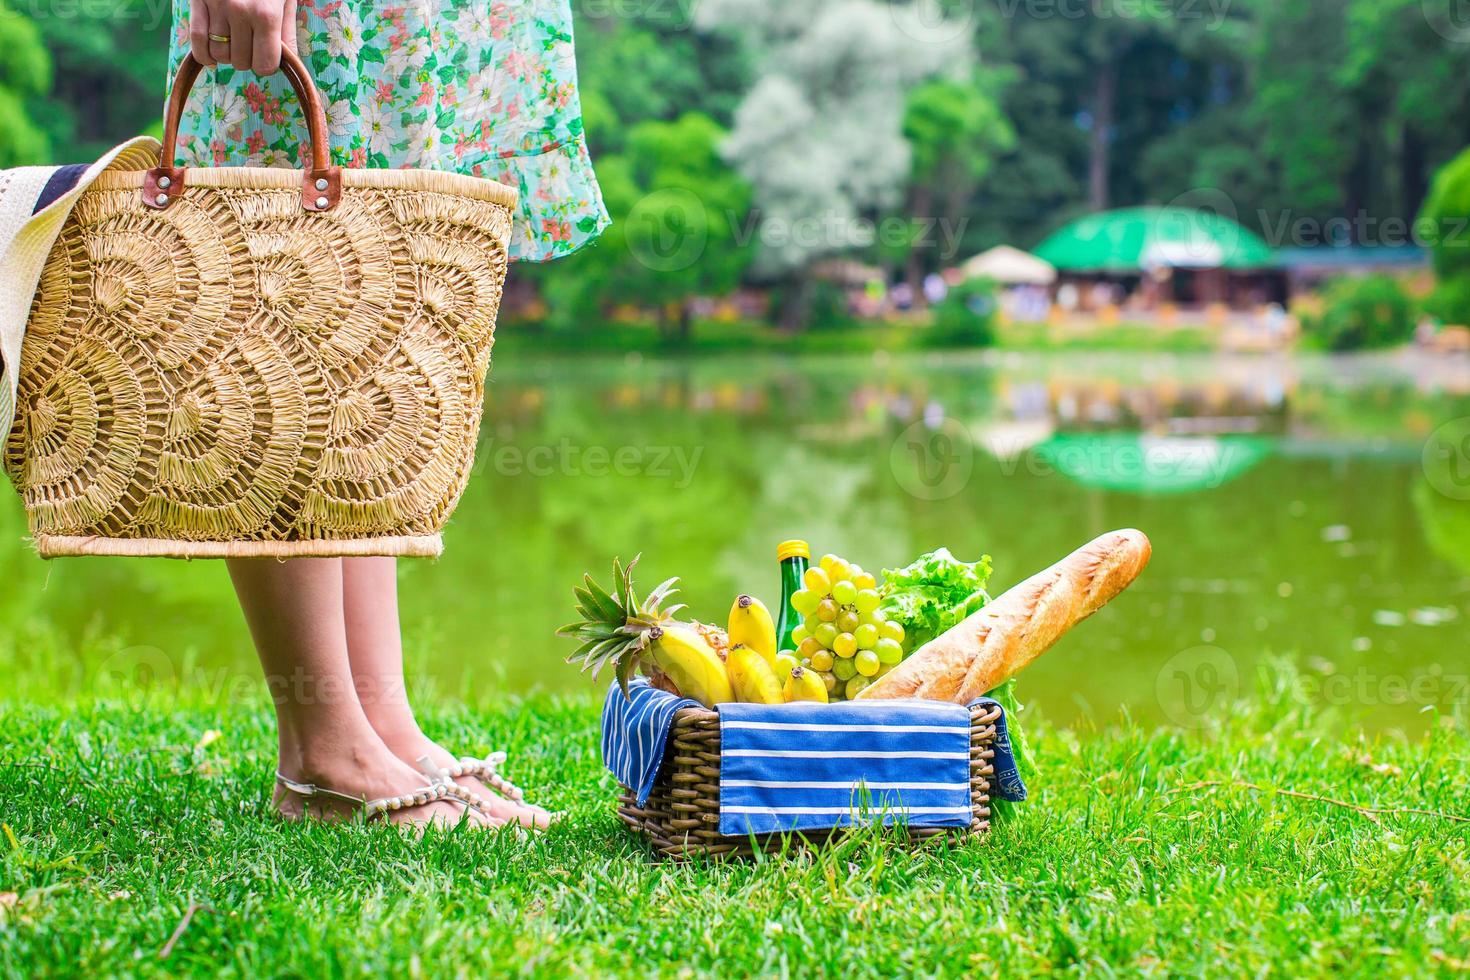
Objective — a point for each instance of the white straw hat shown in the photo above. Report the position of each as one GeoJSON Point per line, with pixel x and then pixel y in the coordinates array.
{"type": "Point", "coordinates": [26, 239]}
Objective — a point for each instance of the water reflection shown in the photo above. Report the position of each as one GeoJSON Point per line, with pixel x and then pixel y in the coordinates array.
{"type": "Point", "coordinates": [1288, 500]}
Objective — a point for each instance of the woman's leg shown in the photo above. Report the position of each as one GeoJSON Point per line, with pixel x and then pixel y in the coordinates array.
{"type": "Point", "coordinates": [294, 609]}
{"type": "Point", "coordinates": [375, 646]}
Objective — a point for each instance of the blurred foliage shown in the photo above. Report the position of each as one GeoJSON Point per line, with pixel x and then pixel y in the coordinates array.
{"type": "Point", "coordinates": [111, 62]}
{"type": "Point", "coordinates": [1358, 313]}
{"type": "Point", "coordinates": [679, 209]}
{"type": "Point", "coordinates": [1446, 219]}
{"type": "Point", "coordinates": [1444, 520]}
{"type": "Point", "coordinates": [966, 316]}
{"type": "Point", "coordinates": [958, 132]}
{"type": "Point", "coordinates": [25, 75]}
{"type": "Point", "coordinates": [870, 122]}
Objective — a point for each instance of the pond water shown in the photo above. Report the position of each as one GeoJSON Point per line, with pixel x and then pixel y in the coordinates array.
{"type": "Point", "coordinates": [1310, 508]}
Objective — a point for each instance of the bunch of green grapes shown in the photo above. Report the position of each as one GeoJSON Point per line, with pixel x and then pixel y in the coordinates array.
{"type": "Point", "coordinates": [843, 635]}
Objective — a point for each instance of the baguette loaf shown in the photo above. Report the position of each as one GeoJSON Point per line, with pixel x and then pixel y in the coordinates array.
{"type": "Point", "coordinates": [1009, 632]}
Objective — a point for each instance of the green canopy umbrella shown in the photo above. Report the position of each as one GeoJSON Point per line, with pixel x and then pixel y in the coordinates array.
{"type": "Point", "coordinates": [1130, 239]}
{"type": "Point", "coordinates": [1137, 463]}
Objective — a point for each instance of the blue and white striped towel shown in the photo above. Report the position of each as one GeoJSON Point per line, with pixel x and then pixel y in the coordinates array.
{"type": "Point", "coordinates": [634, 731]}
{"type": "Point", "coordinates": [808, 766]}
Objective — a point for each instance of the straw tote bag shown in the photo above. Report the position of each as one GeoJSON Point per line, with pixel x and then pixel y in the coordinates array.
{"type": "Point", "coordinates": [243, 361]}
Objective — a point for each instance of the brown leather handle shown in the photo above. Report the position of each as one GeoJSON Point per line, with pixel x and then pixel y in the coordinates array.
{"type": "Point", "coordinates": [320, 186]}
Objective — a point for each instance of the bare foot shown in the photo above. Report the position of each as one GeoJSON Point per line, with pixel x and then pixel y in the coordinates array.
{"type": "Point", "coordinates": [367, 774]}
{"type": "Point", "coordinates": [499, 807]}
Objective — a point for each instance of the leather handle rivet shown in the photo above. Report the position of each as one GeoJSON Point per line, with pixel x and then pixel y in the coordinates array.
{"type": "Point", "coordinates": [161, 199]}
{"type": "Point", "coordinates": [307, 97]}
{"type": "Point", "coordinates": [164, 182]}
{"type": "Point", "coordinates": [321, 202]}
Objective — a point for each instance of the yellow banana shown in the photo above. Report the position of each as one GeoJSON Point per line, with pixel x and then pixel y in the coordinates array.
{"type": "Point", "coordinates": [805, 685]}
{"type": "Point", "coordinates": [690, 662]}
{"type": "Point", "coordinates": [752, 678]}
{"type": "Point", "coordinates": [751, 624]}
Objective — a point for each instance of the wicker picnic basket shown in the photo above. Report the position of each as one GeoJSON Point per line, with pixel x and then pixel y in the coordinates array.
{"type": "Point", "coordinates": [682, 816]}
{"type": "Point", "coordinates": [247, 361]}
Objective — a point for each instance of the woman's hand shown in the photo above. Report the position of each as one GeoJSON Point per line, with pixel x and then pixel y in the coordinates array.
{"type": "Point", "coordinates": [253, 32]}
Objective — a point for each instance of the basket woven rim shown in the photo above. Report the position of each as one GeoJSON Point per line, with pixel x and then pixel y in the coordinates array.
{"type": "Point", "coordinates": [480, 188]}
{"type": "Point", "coordinates": [979, 714]}
{"type": "Point", "coordinates": [399, 545]}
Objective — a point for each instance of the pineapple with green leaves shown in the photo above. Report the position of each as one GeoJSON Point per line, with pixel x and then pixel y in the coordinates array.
{"type": "Point", "coordinates": [619, 631]}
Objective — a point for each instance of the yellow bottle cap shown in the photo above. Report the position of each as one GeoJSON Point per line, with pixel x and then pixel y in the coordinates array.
{"type": "Point", "coordinates": [793, 549]}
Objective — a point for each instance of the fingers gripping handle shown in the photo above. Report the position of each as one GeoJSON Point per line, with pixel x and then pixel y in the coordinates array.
{"type": "Point", "coordinates": [321, 185]}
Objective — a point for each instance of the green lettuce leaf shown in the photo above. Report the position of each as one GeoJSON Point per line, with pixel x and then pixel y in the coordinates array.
{"type": "Point", "coordinates": [1006, 695]}
{"type": "Point", "coordinates": [933, 593]}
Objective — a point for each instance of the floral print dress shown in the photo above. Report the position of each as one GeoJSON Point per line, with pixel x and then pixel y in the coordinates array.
{"type": "Point", "coordinates": [482, 87]}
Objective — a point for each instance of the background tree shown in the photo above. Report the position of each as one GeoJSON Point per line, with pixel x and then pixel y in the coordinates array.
{"type": "Point", "coordinates": [680, 234]}
{"type": "Point", "coordinates": [111, 74]}
{"type": "Point", "coordinates": [644, 65]}
{"type": "Point", "coordinates": [1416, 67]}
{"type": "Point", "coordinates": [819, 134]}
{"type": "Point", "coordinates": [25, 74]}
{"type": "Point", "coordinates": [841, 112]}
{"type": "Point", "coordinates": [1092, 82]}
{"type": "Point", "coordinates": [956, 130]}
{"type": "Point", "coordinates": [677, 209]}
{"type": "Point", "coordinates": [1312, 123]}
{"type": "Point", "coordinates": [1446, 221]}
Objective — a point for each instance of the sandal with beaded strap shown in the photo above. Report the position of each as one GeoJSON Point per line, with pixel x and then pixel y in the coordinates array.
{"type": "Point", "coordinates": [381, 807]}
{"type": "Point", "coordinates": [487, 771]}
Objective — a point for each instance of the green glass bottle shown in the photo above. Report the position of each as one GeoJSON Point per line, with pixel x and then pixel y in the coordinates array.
{"type": "Point", "coordinates": [794, 557]}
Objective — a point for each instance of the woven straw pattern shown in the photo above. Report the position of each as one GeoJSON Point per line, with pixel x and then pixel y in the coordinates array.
{"type": "Point", "coordinates": [234, 375]}
{"type": "Point", "coordinates": [681, 818]}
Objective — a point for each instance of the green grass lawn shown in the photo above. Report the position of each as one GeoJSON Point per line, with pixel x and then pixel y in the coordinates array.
{"type": "Point", "coordinates": [1140, 852]}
